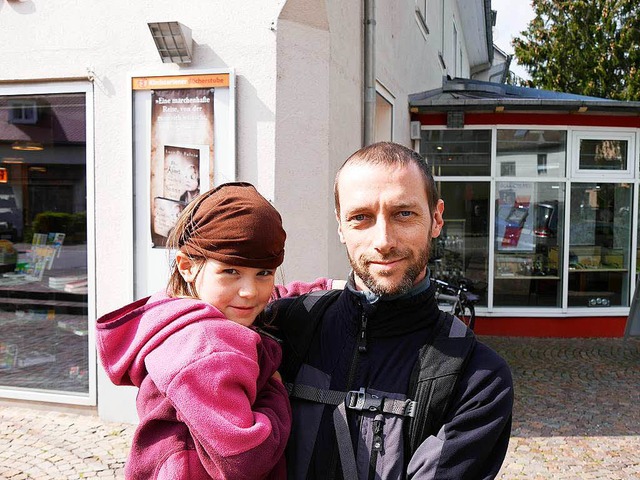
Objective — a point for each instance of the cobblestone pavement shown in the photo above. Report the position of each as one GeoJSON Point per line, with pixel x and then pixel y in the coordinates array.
{"type": "Point", "coordinates": [577, 409]}
{"type": "Point", "coordinates": [577, 416]}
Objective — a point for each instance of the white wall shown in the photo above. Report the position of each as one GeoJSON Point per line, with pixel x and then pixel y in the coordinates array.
{"type": "Point", "coordinates": [65, 39]}
{"type": "Point", "coordinates": [302, 136]}
{"type": "Point", "coordinates": [298, 66]}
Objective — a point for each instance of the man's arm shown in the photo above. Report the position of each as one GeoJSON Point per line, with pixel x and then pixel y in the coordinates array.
{"type": "Point", "coordinates": [473, 441]}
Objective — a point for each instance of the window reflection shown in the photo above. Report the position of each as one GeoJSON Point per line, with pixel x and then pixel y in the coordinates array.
{"type": "Point", "coordinates": [531, 153]}
{"type": "Point", "coordinates": [462, 249]}
{"type": "Point", "coordinates": [43, 254]}
{"type": "Point", "coordinates": [528, 244]}
{"type": "Point", "coordinates": [458, 152]}
{"type": "Point", "coordinates": [603, 154]}
{"type": "Point", "coordinates": [599, 244]}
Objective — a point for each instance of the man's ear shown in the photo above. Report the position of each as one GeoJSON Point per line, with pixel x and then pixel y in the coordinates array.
{"type": "Point", "coordinates": [186, 266]}
{"type": "Point", "coordinates": [438, 219]}
{"type": "Point", "coordinates": [340, 235]}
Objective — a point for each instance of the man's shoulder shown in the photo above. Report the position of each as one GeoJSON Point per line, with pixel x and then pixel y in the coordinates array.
{"type": "Point", "coordinates": [300, 308]}
{"type": "Point", "coordinates": [485, 362]}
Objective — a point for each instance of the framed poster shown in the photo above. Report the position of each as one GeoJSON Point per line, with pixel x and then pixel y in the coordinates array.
{"type": "Point", "coordinates": [184, 144]}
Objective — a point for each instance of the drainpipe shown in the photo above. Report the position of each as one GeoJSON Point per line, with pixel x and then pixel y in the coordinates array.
{"type": "Point", "coordinates": [369, 72]}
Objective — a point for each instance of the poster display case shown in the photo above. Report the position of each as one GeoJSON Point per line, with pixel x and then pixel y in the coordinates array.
{"type": "Point", "coordinates": [184, 144]}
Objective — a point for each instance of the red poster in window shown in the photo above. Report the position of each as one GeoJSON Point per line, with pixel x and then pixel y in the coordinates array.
{"type": "Point", "coordinates": [4, 175]}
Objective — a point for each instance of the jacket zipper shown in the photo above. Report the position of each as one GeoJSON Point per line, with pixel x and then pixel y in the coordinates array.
{"type": "Point", "coordinates": [362, 337]}
{"type": "Point", "coordinates": [376, 445]}
{"type": "Point", "coordinates": [361, 347]}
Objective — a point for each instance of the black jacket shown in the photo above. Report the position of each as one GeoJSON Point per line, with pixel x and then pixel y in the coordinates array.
{"type": "Point", "coordinates": [375, 345]}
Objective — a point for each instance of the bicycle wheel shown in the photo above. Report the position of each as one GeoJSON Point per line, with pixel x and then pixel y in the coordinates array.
{"type": "Point", "coordinates": [467, 313]}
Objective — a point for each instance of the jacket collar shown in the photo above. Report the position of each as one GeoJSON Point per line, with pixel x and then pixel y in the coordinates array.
{"type": "Point", "coordinates": [393, 315]}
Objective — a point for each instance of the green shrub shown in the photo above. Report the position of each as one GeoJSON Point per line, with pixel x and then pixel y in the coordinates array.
{"type": "Point", "coordinates": [73, 225]}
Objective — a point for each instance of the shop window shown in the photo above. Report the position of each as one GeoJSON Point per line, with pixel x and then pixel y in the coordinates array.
{"type": "Point", "coordinates": [44, 280]}
{"type": "Point", "coordinates": [599, 244]}
{"type": "Point", "coordinates": [462, 249]}
{"type": "Point", "coordinates": [457, 152]}
{"type": "Point", "coordinates": [528, 244]}
{"type": "Point", "coordinates": [536, 152]}
{"type": "Point", "coordinates": [602, 154]}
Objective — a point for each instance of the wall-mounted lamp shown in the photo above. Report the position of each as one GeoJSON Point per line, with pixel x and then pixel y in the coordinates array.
{"type": "Point", "coordinates": [173, 41]}
{"type": "Point", "coordinates": [582, 109]}
{"type": "Point", "coordinates": [26, 146]}
{"type": "Point", "coordinates": [499, 108]}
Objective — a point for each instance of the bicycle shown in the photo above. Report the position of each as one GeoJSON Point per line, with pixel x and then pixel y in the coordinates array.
{"type": "Point", "coordinates": [458, 300]}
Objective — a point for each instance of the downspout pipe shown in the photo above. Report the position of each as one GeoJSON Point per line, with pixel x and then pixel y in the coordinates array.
{"type": "Point", "coordinates": [369, 113]}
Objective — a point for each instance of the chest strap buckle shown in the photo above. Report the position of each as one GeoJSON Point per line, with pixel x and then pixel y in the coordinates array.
{"type": "Point", "coordinates": [361, 400]}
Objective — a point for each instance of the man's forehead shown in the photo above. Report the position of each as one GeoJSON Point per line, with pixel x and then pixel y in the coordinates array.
{"type": "Point", "coordinates": [399, 185]}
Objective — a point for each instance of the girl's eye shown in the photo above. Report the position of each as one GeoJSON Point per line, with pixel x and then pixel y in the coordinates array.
{"type": "Point", "coordinates": [266, 273]}
{"type": "Point", "coordinates": [230, 271]}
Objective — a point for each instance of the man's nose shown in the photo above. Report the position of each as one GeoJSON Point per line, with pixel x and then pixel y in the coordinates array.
{"type": "Point", "coordinates": [383, 239]}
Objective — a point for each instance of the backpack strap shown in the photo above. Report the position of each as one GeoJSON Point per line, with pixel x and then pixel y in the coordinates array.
{"type": "Point", "coordinates": [435, 377]}
{"type": "Point", "coordinates": [298, 327]}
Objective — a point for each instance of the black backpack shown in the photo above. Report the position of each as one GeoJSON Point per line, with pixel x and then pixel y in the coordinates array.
{"type": "Point", "coordinates": [433, 379]}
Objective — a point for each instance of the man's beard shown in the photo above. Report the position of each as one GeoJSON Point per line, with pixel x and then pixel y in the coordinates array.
{"type": "Point", "coordinates": [361, 269]}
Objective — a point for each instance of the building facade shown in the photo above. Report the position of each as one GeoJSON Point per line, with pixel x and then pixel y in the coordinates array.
{"type": "Point", "coordinates": [112, 116]}
{"type": "Point", "coordinates": [541, 193]}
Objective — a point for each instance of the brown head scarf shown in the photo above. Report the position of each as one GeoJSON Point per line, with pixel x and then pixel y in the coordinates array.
{"type": "Point", "coordinates": [234, 224]}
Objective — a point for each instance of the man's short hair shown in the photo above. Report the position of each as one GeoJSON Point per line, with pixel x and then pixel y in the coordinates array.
{"type": "Point", "coordinates": [391, 154]}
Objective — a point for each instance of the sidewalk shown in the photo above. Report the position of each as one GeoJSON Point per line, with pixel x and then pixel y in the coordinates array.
{"type": "Point", "coordinates": [577, 416]}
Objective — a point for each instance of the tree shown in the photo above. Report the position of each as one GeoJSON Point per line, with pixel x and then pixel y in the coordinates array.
{"type": "Point", "coordinates": [587, 47]}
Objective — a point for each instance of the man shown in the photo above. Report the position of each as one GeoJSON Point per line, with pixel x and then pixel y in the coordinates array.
{"type": "Point", "coordinates": [368, 342]}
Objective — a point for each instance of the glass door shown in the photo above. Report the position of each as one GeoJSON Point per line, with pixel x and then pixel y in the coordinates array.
{"type": "Point", "coordinates": [44, 274]}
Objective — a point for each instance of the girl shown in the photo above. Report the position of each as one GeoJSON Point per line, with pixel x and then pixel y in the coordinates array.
{"type": "Point", "coordinates": [210, 401]}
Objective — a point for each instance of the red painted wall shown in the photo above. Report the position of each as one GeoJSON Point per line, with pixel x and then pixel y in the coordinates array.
{"type": "Point", "coordinates": [518, 118]}
{"type": "Point", "coordinates": [568, 327]}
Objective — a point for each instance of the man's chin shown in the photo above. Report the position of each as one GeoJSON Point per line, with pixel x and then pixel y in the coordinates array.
{"type": "Point", "coordinates": [386, 286]}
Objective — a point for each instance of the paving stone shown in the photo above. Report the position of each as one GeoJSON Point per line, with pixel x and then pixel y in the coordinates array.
{"type": "Point", "coordinates": [576, 416]}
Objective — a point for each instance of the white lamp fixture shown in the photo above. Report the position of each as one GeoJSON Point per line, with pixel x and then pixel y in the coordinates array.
{"type": "Point", "coordinates": [173, 41]}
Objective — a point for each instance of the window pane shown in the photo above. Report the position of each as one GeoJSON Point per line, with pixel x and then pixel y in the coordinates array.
{"type": "Point", "coordinates": [600, 236]}
{"type": "Point", "coordinates": [532, 153]}
{"type": "Point", "coordinates": [457, 152]}
{"type": "Point", "coordinates": [603, 154]}
{"type": "Point", "coordinates": [43, 246]}
{"type": "Point", "coordinates": [462, 249]}
{"type": "Point", "coordinates": [529, 219]}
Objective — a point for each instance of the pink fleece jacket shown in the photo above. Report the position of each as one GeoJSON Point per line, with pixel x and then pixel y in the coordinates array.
{"type": "Point", "coordinates": [207, 403]}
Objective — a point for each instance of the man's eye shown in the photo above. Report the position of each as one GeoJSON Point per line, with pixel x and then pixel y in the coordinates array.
{"type": "Point", "coordinates": [405, 213]}
{"type": "Point", "coordinates": [359, 218]}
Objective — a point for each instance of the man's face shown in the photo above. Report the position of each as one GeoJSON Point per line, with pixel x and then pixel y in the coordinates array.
{"type": "Point", "coordinates": [386, 225]}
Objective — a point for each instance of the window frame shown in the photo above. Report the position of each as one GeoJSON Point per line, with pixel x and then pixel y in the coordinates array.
{"type": "Point", "coordinates": [602, 134]}
{"type": "Point", "coordinates": [52, 88]}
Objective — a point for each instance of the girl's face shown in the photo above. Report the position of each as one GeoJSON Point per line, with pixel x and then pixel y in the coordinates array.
{"type": "Point", "coordinates": [240, 293]}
